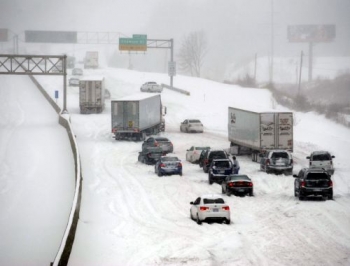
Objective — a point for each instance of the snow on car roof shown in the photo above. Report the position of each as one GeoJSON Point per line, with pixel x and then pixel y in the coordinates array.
{"type": "Point", "coordinates": [211, 196]}
{"type": "Point", "coordinates": [137, 97]}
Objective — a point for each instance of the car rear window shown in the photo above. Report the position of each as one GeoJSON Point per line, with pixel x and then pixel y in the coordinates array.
{"type": "Point", "coordinates": [317, 176]}
{"type": "Point", "coordinates": [161, 139]}
{"type": "Point", "coordinates": [202, 148]}
{"type": "Point", "coordinates": [170, 159]}
{"type": "Point", "coordinates": [194, 121]}
{"type": "Point", "coordinates": [321, 157]}
{"type": "Point", "coordinates": [224, 164]}
{"type": "Point", "coordinates": [276, 155]}
{"type": "Point", "coordinates": [217, 154]}
{"type": "Point", "coordinates": [212, 201]}
{"type": "Point", "coordinates": [239, 177]}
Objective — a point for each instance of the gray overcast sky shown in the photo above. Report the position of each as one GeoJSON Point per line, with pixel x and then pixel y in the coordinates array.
{"type": "Point", "coordinates": [235, 29]}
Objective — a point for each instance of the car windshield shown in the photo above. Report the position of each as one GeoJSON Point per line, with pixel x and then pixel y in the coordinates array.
{"type": "Point", "coordinates": [194, 121]}
{"type": "Point", "coordinates": [239, 177]}
{"type": "Point", "coordinates": [170, 159]}
{"type": "Point", "coordinates": [317, 176]}
{"type": "Point", "coordinates": [276, 155]}
{"type": "Point", "coordinates": [321, 157]}
{"type": "Point", "coordinates": [223, 164]}
{"type": "Point", "coordinates": [212, 201]}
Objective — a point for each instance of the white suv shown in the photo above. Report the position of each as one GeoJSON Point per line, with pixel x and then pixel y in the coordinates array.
{"type": "Point", "coordinates": [321, 159]}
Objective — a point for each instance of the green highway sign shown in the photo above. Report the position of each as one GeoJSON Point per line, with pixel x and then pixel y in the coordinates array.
{"type": "Point", "coordinates": [139, 36]}
{"type": "Point", "coordinates": [132, 41]}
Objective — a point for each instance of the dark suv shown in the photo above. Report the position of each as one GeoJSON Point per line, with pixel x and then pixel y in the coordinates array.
{"type": "Point", "coordinates": [219, 169]}
{"type": "Point", "coordinates": [209, 155]}
{"type": "Point", "coordinates": [313, 182]}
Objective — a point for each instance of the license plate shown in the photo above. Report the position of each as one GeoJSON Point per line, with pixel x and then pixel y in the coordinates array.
{"type": "Point", "coordinates": [241, 190]}
{"type": "Point", "coordinates": [317, 190]}
{"type": "Point", "coordinates": [222, 171]}
{"type": "Point", "coordinates": [215, 210]}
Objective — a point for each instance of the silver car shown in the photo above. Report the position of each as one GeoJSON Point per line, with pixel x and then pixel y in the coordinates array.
{"type": "Point", "coordinates": [191, 125]}
{"type": "Point", "coordinates": [193, 153]}
{"type": "Point", "coordinates": [210, 207]}
{"type": "Point", "coordinates": [321, 159]}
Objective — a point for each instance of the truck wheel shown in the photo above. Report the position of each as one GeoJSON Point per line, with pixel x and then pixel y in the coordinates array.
{"type": "Point", "coordinates": [210, 180]}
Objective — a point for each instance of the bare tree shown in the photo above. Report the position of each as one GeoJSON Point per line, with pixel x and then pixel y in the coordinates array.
{"type": "Point", "coordinates": [192, 52]}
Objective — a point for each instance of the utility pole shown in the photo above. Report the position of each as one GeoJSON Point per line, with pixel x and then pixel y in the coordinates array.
{"type": "Point", "coordinates": [301, 65]}
{"type": "Point", "coordinates": [272, 48]}
{"type": "Point", "coordinates": [310, 60]}
{"type": "Point", "coordinates": [255, 68]}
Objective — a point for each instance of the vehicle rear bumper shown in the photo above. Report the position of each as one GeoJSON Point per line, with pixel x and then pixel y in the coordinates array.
{"type": "Point", "coordinates": [242, 190]}
{"type": "Point", "coordinates": [212, 216]}
{"type": "Point", "coordinates": [316, 191]}
{"type": "Point", "coordinates": [171, 171]}
{"type": "Point", "coordinates": [279, 169]}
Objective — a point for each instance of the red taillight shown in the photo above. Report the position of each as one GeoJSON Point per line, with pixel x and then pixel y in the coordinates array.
{"type": "Point", "coordinates": [302, 184]}
{"type": "Point", "coordinates": [114, 130]}
{"type": "Point", "coordinates": [156, 144]}
{"type": "Point", "coordinates": [162, 165]}
{"type": "Point", "coordinates": [267, 161]}
{"type": "Point", "coordinates": [179, 164]}
{"type": "Point", "coordinates": [203, 208]}
{"type": "Point", "coordinates": [231, 184]}
{"type": "Point", "coordinates": [330, 183]}
{"type": "Point", "coordinates": [250, 184]}
{"type": "Point", "coordinates": [226, 208]}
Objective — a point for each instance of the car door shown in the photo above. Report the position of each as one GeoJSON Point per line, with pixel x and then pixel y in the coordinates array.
{"type": "Point", "coordinates": [189, 153]}
{"type": "Point", "coordinates": [194, 207]}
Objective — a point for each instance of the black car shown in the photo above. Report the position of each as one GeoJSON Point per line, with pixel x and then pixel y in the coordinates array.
{"type": "Point", "coordinates": [237, 184]}
{"type": "Point", "coordinates": [219, 169]}
{"type": "Point", "coordinates": [313, 182]}
{"type": "Point", "coordinates": [209, 155]}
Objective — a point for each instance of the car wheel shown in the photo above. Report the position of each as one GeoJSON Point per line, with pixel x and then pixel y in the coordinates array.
{"type": "Point", "coordinates": [198, 220]}
{"type": "Point", "coordinates": [159, 173]}
{"type": "Point", "coordinates": [330, 196]}
{"type": "Point", "coordinates": [301, 197]}
{"type": "Point", "coordinates": [295, 193]}
{"type": "Point", "coordinates": [210, 180]}
{"type": "Point", "coordinates": [191, 215]}
{"type": "Point", "coordinates": [222, 190]}
{"type": "Point", "coordinates": [228, 193]}
{"type": "Point", "coordinates": [227, 221]}
{"type": "Point", "coordinates": [180, 173]}
{"type": "Point", "coordinates": [251, 194]}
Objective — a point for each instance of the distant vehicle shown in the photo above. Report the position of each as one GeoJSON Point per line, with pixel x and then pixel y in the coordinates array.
{"type": "Point", "coordinates": [277, 161]}
{"type": "Point", "coordinates": [151, 87]}
{"type": "Point", "coordinates": [321, 159]}
{"type": "Point", "coordinates": [70, 61]}
{"type": "Point", "coordinates": [77, 72]}
{"type": "Point", "coordinates": [91, 59]}
{"type": "Point", "coordinates": [193, 153]}
{"type": "Point", "coordinates": [209, 155]}
{"type": "Point", "coordinates": [210, 208]}
{"type": "Point", "coordinates": [150, 155]}
{"type": "Point", "coordinates": [313, 182]}
{"type": "Point", "coordinates": [92, 95]}
{"type": "Point", "coordinates": [237, 184]}
{"type": "Point", "coordinates": [254, 132]}
{"type": "Point", "coordinates": [168, 165]}
{"type": "Point", "coordinates": [74, 82]}
{"type": "Point", "coordinates": [219, 169]}
{"type": "Point", "coordinates": [164, 143]}
{"type": "Point", "coordinates": [137, 116]}
{"type": "Point", "coordinates": [191, 125]}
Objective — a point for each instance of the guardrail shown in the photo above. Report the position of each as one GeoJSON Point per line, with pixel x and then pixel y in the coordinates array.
{"type": "Point", "coordinates": [176, 89]}
{"type": "Point", "coordinates": [66, 245]}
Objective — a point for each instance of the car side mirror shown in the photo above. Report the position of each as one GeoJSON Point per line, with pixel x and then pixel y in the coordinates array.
{"type": "Point", "coordinates": [333, 156]}
{"type": "Point", "coordinates": [295, 176]}
{"type": "Point", "coordinates": [191, 202]}
{"type": "Point", "coordinates": [308, 157]}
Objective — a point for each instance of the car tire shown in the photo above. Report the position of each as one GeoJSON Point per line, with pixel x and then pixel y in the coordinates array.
{"type": "Point", "coordinates": [191, 215]}
{"type": "Point", "coordinates": [222, 190]}
{"type": "Point", "coordinates": [198, 220]}
{"type": "Point", "coordinates": [295, 193]}
{"type": "Point", "coordinates": [251, 194]}
{"type": "Point", "coordinates": [301, 197]}
{"type": "Point", "coordinates": [330, 196]}
{"type": "Point", "coordinates": [159, 173]}
{"type": "Point", "coordinates": [210, 180]}
{"type": "Point", "coordinates": [180, 173]}
{"type": "Point", "coordinates": [227, 221]}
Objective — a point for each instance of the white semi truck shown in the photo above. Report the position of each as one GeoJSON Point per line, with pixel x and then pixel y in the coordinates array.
{"type": "Point", "coordinates": [91, 59]}
{"type": "Point", "coordinates": [137, 116]}
{"type": "Point", "coordinates": [92, 95]}
{"type": "Point", "coordinates": [258, 131]}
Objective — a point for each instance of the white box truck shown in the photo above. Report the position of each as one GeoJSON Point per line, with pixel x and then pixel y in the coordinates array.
{"type": "Point", "coordinates": [92, 95]}
{"type": "Point", "coordinates": [91, 59]}
{"type": "Point", "coordinates": [137, 116]}
{"type": "Point", "coordinates": [259, 131]}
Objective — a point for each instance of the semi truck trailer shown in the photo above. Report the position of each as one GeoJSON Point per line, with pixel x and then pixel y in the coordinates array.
{"type": "Point", "coordinates": [91, 95]}
{"type": "Point", "coordinates": [256, 132]}
{"type": "Point", "coordinates": [137, 116]}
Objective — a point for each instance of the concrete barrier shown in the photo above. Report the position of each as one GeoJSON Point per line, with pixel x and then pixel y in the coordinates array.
{"type": "Point", "coordinates": [176, 89]}
{"type": "Point", "coordinates": [66, 245]}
